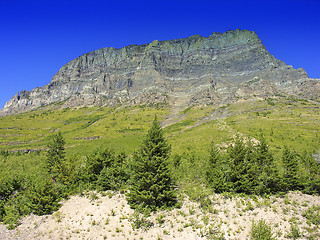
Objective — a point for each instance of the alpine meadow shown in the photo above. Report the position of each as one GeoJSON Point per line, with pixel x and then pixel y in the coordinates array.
{"type": "Point", "coordinates": [194, 138]}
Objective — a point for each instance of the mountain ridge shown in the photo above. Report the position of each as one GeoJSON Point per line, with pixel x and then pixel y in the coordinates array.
{"type": "Point", "coordinates": [217, 69]}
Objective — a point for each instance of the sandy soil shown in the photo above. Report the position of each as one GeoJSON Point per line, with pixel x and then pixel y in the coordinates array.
{"type": "Point", "coordinates": [108, 216]}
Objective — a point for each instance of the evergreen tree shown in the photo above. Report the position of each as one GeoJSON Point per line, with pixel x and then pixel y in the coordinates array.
{"type": "Point", "coordinates": [250, 178]}
{"type": "Point", "coordinates": [253, 170]}
{"type": "Point", "coordinates": [152, 185]}
{"type": "Point", "coordinates": [311, 176]}
{"type": "Point", "coordinates": [214, 173]}
{"type": "Point", "coordinates": [43, 197]}
{"type": "Point", "coordinates": [55, 155]}
{"type": "Point", "coordinates": [96, 162]}
{"type": "Point", "coordinates": [244, 168]}
{"type": "Point", "coordinates": [238, 158]}
{"type": "Point", "coordinates": [113, 177]}
{"type": "Point", "coordinates": [69, 171]}
{"type": "Point", "coordinates": [267, 172]}
{"type": "Point", "coordinates": [291, 169]}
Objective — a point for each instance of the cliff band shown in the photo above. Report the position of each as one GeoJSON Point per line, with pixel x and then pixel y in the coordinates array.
{"type": "Point", "coordinates": [218, 69]}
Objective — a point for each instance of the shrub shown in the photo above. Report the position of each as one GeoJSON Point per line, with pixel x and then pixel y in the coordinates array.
{"type": "Point", "coordinates": [291, 169]}
{"type": "Point", "coordinates": [43, 196]}
{"type": "Point", "coordinates": [95, 163]}
{"type": "Point", "coordinates": [114, 176]}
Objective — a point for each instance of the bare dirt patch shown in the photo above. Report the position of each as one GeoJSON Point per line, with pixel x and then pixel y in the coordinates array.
{"type": "Point", "coordinates": [108, 216]}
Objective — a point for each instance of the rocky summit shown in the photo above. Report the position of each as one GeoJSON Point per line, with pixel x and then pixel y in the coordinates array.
{"type": "Point", "coordinates": [218, 69]}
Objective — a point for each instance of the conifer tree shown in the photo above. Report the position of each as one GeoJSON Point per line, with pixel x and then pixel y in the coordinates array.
{"type": "Point", "coordinates": [250, 177]}
{"type": "Point", "coordinates": [291, 169]}
{"type": "Point", "coordinates": [214, 173]}
{"type": "Point", "coordinates": [152, 185]}
{"type": "Point", "coordinates": [243, 167]}
{"type": "Point", "coordinates": [96, 162]}
{"type": "Point", "coordinates": [267, 172]}
{"type": "Point", "coordinates": [312, 173]}
{"type": "Point", "coordinates": [237, 154]}
{"type": "Point", "coordinates": [115, 175]}
{"type": "Point", "coordinates": [55, 155]}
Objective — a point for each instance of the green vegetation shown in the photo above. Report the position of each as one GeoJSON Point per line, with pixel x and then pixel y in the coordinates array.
{"type": "Point", "coordinates": [291, 122]}
{"type": "Point", "coordinates": [26, 192]}
{"type": "Point", "coordinates": [261, 231]}
{"type": "Point", "coordinates": [152, 185]}
{"type": "Point", "coordinates": [294, 232]}
{"type": "Point", "coordinates": [251, 169]}
{"type": "Point", "coordinates": [313, 215]}
{"type": "Point", "coordinates": [48, 154]}
{"type": "Point", "coordinates": [216, 173]}
{"type": "Point", "coordinates": [56, 155]}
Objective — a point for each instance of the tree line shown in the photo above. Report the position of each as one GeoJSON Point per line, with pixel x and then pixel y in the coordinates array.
{"type": "Point", "coordinates": [252, 169]}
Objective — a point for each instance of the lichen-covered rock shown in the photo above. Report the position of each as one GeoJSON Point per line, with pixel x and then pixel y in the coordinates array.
{"type": "Point", "coordinates": [221, 67]}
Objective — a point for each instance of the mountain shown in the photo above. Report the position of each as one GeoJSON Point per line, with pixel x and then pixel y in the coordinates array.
{"type": "Point", "coordinates": [183, 72]}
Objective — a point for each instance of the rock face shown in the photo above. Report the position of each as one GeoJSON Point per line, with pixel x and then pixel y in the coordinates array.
{"type": "Point", "coordinates": [217, 69]}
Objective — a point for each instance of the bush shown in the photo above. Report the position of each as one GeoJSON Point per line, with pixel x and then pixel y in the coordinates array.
{"type": "Point", "coordinates": [43, 196]}
{"type": "Point", "coordinates": [115, 176]}
{"type": "Point", "coordinates": [94, 164]}
{"type": "Point", "coordinates": [11, 216]}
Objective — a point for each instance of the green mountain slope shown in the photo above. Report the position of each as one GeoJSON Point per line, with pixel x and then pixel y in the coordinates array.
{"type": "Point", "coordinates": [284, 121]}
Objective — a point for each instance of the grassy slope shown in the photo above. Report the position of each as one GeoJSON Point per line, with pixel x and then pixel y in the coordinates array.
{"type": "Point", "coordinates": [284, 121]}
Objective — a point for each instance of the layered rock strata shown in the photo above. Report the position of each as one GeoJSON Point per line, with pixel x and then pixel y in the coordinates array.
{"type": "Point", "coordinates": [218, 69]}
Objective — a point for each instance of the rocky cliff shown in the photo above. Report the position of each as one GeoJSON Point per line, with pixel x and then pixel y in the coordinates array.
{"type": "Point", "coordinates": [218, 69]}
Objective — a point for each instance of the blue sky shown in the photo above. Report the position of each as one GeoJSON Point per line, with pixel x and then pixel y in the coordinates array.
{"type": "Point", "coordinates": [37, 37]}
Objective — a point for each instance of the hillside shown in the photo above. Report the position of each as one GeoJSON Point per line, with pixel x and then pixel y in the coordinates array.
{"type": "Point", "coordinates": [243, 144]}
{"type": "Point", "coordinates": [284, 120]}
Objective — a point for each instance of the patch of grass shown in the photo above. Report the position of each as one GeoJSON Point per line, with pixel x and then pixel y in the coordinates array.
{"type": "Point", "coordinates": [140, 221]}
{"type": "Point", "coordinates": [261, 231]}
{"type": "Point", "coordinates": [178, 126]}
{"type": "Point", "coordinates": [312, 214]}
{"type": "Point", "coordinates": [58, 216]}
{"type": "Point", "coordinates": [160, 219]}
{"type": "Point", "coordinates": [294, 232]}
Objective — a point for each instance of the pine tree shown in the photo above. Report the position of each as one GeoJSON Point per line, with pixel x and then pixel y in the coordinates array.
{"type": "Point", "coordinates": [312, 173]}
{"type": "Point", "coordinates": [42, 196]}
{"type": "Point", "coordinates": [113, 177]}
{"type": "Point", "coordinates": [152, 185]}
{"type": "Point", "coordinates": [267, 172]}
{"type": "Point", "coordinates": [55, 155]}
{"type": "Point", "coordinates": [250, 176]}
{"type": "Point", "coordinates": [237, 154]}
{"type": "Point", "coordinates": [96, 162]}
{"type": "Point", "coordinates": [243, 167]}
{"type": "Point", "coordinates": [291, 169]}
{"type": "Point", "coordinates": [214, 173]}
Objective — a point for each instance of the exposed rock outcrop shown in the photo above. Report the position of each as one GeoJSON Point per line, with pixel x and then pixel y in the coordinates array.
{"type": "Point", "coordinates": [219, 68]}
